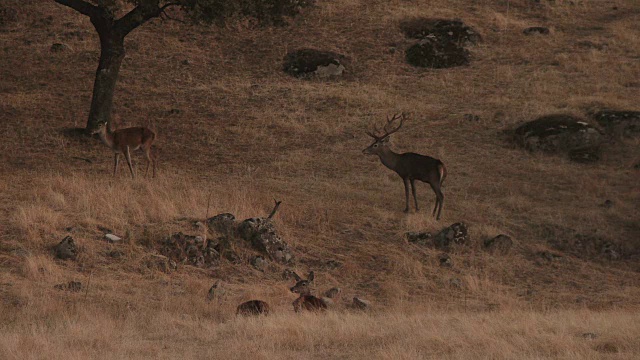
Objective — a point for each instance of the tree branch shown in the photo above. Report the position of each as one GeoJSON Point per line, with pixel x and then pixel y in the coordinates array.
{"type": "Point", "coordinates": [139, 15]}
{"type": "Point", "coordinates": [275, 209]}
{"type": "Point", "coordinates": [80, 6]}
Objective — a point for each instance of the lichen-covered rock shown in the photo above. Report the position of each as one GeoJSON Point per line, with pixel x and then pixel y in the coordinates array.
{"type": "Point", "coordinates": [442, 29]}
{"type": "Point", "coordinates": [311, 62]}
{"type": "Point", "coordinates": [457, 233]}
{"type": "Point", "coordinates": [262, 235]}
{"type": "Point", "coordinates": [431, 53]}
{"type": "Point", "coordinates": [192, 250]}
{"type": "Point", "coordinates": [557, 133]}
{"type": "Point", "coordinates": [445, 260]}
{"type": "Point", "coordinates": [258, 262]}
{"type": "Point", "coordinates": [625, 123]}
{"type": "Point", "coordinates": [66, 249]}
{"type": "Point", "coordinates": [222, 223]}
{"type": "Point", "coordinates": [500, 244]}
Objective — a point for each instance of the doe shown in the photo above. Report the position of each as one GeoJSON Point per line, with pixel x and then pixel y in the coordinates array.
{"type": "Point", "coordinates": [306, 301]}
{"type": "Point", "coordinates": [409, 166]}
{"type": "Point", "coordinates": [123, 141]}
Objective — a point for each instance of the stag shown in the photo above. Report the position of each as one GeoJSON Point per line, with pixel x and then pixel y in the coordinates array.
{"type": "Point", "coordinates": [409, 166]}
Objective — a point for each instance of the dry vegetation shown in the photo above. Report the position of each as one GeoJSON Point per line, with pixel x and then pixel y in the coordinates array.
{"type": "Point", "coordinates": [235, 132]}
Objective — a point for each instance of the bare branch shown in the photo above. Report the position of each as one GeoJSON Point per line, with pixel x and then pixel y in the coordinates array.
{"type": "Point", "coordinates": [141, 14]}
{"type": "Point", "coordinates": [80, 6]}
{"type": "Point", "coordinates": [275, 208]}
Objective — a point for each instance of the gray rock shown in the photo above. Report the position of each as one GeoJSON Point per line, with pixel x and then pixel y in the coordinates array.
{"type": "Point", "coordinates": [431, 53]}
{"type": "Point", "coordinates": [66, 249]}
{"type": "Point", "coordinates": [222, 223]}
{"type": "Point", "coordinates": [444, 30]}
{"type": "Point", "coordinates": [445, 260]}
{"type": "Point", "coordinates": [262, 235]}
{"type": "Point", "coordinates": [72, 286]}
{"type": "Point", "coordinates": [360, 304]}
{"type": "Point", "coordinates": [419, 238]}
{"type": "Point", "coordinates": [259, 263]}
{"type": "Point", "coordinates": [161, 263]}
{"type": "Point", "coordinates": [590, 336]}
{"type": "Point", "coordinates": [216, 291]}
{"type": "Point", "coordinates": [304, 63]}
{"type": "Point", "coordinates": [622, 122]}
{"type": "Point", "coordinates": [500, 244]}
{"type": "Point", "coordinates": [112, 238]}
{"type": "Point", "coordinates": [457, 233]}
{"type": "Point", "coordinates": [333, 293]}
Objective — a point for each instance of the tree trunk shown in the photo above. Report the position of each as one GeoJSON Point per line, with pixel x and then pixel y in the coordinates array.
{"type": "Point", "coordinates": [111, 55]}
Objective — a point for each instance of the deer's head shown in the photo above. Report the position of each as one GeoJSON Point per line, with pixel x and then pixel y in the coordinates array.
{"type": "Point", "coordinates": [302, 286]}
{"type": "Point", "coordinates": [100, 128]}
{"type": "Point", "coordinates": [382, 141]}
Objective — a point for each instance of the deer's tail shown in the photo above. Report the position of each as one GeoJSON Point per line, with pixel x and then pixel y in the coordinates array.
{"type": "Point", "coordinates": [443, 172]}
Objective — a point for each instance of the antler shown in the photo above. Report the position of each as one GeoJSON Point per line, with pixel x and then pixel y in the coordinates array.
{"type": "Point", "coordinates": [385, 128]}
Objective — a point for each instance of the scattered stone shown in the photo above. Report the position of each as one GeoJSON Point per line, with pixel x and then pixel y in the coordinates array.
{"type": "Point", "coordinates": [445, 260]}
{"type": "Point", "coordinates": [73, 286]}
{"type": "Point", "coordinates": [262, 235]}
{"type": "Point", "coordinates": [66, 249]}
{"type": "Point", "coordinates": [360, 304]}
{"type": "Point", "coordinates": [192, 250]}
{"type": "Point", "coordinates": [444, 30]}
{"type": "Point", "coordinates": [185, 62]}
{"type": "Point", "coordinates": [456, 283]}
{"type": "Point", "coordinates": [419, 238]}
{"type": "Point", "coordinates": [430, 53]}
{"type": "Point", "coordinates": [626, 123]}
{"type": "Point", "coordinates": [58, 47]}
{"type": "Point", "coordinates": [161, 263]}
{"type": "Point", "coordinates": [536, 30]}
{"type": "Point", "coordinates": [607, 347]}
{"type": "Point", "coordinates": [558, 133]}
{"type": "Point", "coordinates": [232, 256]}
{"type": "Point", "coordinates": [589, 336]}
{"type": "Point", "coordinates": [222, 223]}
{"type": "Point", "coordinates": [310, 62]}
{"type": "Point", "coordinates": [333, 293]}
{"type": "Point", "coordinates": [500, 244]}
{"type": "Point", "coordinates": [258, 262]}
{"type": "Point", "coordinates": [216, 291]}
{"type": "Point", "coordinates": [549, 256]}
{"type": "Point", "coordinates": [112, 238]}
{"type": "Point", "coordinates": [288, 274]}
{"type": "Point", "coordinates": [333, 264]}
{"type": "Point", "coordinates": [199, 225]}
{"type": "Point", "coordinates": [471, 117]}
{"type": "Point", "coordinates": [457, 233]}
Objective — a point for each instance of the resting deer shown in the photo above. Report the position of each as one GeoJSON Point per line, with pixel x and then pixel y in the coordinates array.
{"type": "Point", "coordinates": [409, 166]}
{"type": "Point", "coordinates": [123, 141]}
{"type": "Point", "coordinates": [306, 301]}
{"type": "Point", "coordinates": [253, 307]}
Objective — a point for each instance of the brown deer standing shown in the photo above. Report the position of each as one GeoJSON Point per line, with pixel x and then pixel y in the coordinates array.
{"type": "Point", "coordinates": [306, 301]}
{"type": "Point", "coordinates": [409, 166]}
{"type": "Point", "coordinates": [123, 141]}
{"type": "Point", "coordinates": [253, 307]}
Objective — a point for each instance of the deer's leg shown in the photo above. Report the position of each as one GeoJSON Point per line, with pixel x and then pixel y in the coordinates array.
{"type": "Point", "coordinates": [147, 154]}
{"type": "Point", "coordinates": [127, 155]}
{"type": "Point", "coordinates": [115, 165]}
{"type": "Point", "coordinates": [406, 194]}
{"type": "Point", "coordinates": [413, 189]}
{"type": "Point", "coordinates": [439, 200]}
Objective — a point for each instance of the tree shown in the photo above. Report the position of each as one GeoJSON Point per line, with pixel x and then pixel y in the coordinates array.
{"type": "Point", "coordinates": [112, 30]}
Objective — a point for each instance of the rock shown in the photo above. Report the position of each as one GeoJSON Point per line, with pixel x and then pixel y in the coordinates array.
{"type": "Point", "coordinates": [431, 53]}
{"type": "Point", "coordinates": [590, 336]}
{"type": "Point", "coordinates": [585, 155]}
{"type": "Point", "coordinates": [471, 117]}
{"type": "Point", "coordinates": [311, 62]}
{"type": "Point", "coordinates": [258, 262]}
{"type": "Point", "coordinates": [457, 233]}
{"type": "Point", "coordinates": [232, 256]}
{"type": "Point", "coordinates": [222, 223]}
{"type": "Point", "coordinates": [445, 260]}
{"type": "Point", "coordinates": [549, 256]}
{"type": "Point", "coordinates": [500, 244]}
{"type": "Point", "coordinates": [333, 293]}
{"type": "Point", "coordinates": [360, 304]}
{"type": "Point", "coordinates": [192, 250]}
{"type": "Point", "coordinates": [58, 47]}
{"type": "Point", "coordinates": [66, 249]}
{"type": "Point", "coordinates": [112, 238]}
{"type": "Point", "coordinates": [444, 30]}
{"type": "Point", "coordinates": [288, 274]}
{"type": "Point", "coordinates": [419, 238]}
{"type": "Point", "coordinates": [456, 283]}
{"type": "Point", "coordinates": [116, 254]}
{"type": "Point", "coordinates": [262, 235]}
{"type": "Point", "coordinates": [333, 264]}
{"type": "Point", "coordinates": [536, 30]}
{"type": "Point", "coordinates": [626, 123]}
{"type": "Point", "coordinates": [73, 286]}
{"type": "Point", "coordinates": [558, 133]}
{"type": "Point", "coordinates": [160, 262]}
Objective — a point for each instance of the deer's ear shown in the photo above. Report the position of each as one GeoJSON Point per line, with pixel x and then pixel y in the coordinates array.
{"type": "Point", "coordinates": [311, 275]}
{"type": "Point", "coordinates": [296, 276]}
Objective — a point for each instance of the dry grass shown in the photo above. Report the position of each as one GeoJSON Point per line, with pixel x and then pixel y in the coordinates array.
{"type": "Point", "coordinates": [235, 132]}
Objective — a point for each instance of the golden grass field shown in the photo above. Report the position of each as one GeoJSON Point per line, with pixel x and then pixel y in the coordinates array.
{"type": "Point", "coordinates": [235, 132]}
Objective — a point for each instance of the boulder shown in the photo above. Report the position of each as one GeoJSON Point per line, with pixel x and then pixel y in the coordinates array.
{"type": "Point", "coordinates": [66, 249]}
{"type": "Point", "coordinates": [189, 249]}
{"type": "Point", "coordinates": [311, 62]}
{"type": "Point", "coordinates": [559, 133]}
{"type": "Point", "coordinates": [333, 293]}
{"type": "Point", "coordinates": [457, 233]}
{"type": "Point", "coordinates": [258, 262]}
{"type": "Point", "coordinates": [500, 244]}
{"type": "Point", "coordinates": [444, 30]}
{"type": "Point", "coordinates": [360, 304]}
{"type": "Point", "coordinates": [262, 235]}
{"type": "Point", "coordinates": [621, 122]}
{"type": "Point", "coordinates": [161, 263]}
{"type": "Point", "coordinates": [432, 53]}
{"type": "Point", "coordinates": [222, 223]}
{"type": "Point", "coordinates": [445, 260]}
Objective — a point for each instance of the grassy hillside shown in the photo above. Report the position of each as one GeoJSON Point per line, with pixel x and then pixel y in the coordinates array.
{"type": "Point", "coordinates": [235, 132]}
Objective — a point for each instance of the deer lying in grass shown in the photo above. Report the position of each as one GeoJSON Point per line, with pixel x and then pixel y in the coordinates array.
{"type": "Point", "coordinates": [409, 166]}
{"type": "Point", "coordinates": [253, 307]}
{"type": "Point", "coordinates": [306, 301]}
{"type": "Point", "coordinates": [123, 141]}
